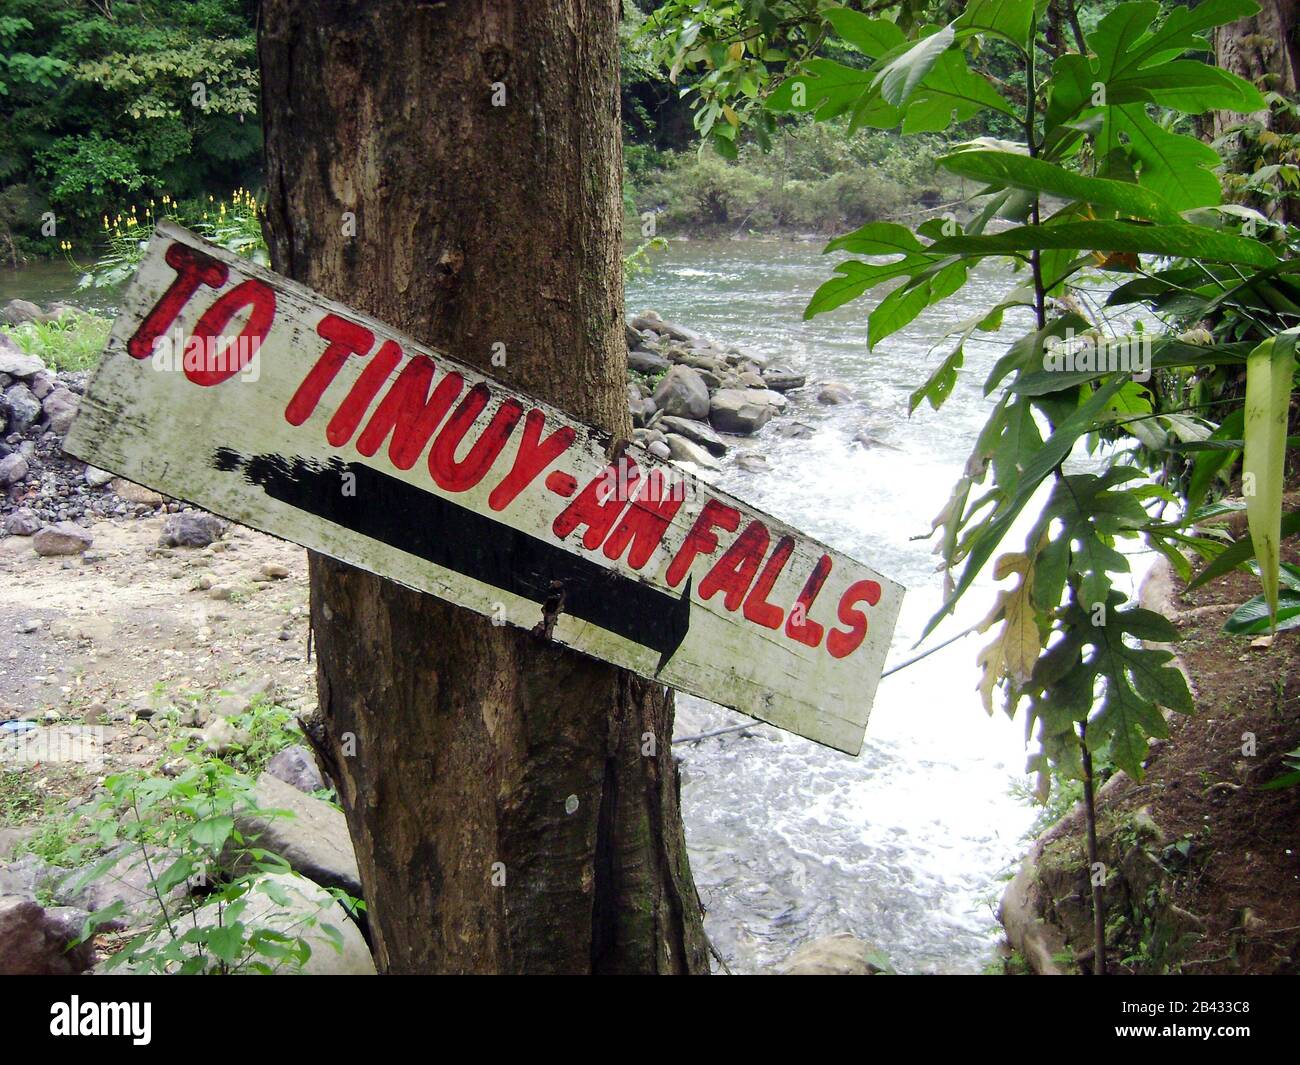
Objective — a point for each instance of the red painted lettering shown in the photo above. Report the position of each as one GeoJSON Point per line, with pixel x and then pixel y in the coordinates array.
{"type": "Point", "coordinates": [460, 475]}
{"type": "Point", "coordinates": [193, 268]}
{"type": "Point", "coordinates": [599, 504]}
{"type": "Point", "coordinates": [533, 456]}
{"type": "Point", "coordinates": [701, 539]}
{"type": "Point", "coordinates": [259, 298]}
{"type": "Point", "coordinates": [646, 521]}
{"type": "Point", "coordinates": [363, 391]}
{"type": "Point", "coordinates": [757, 608]}
{"type": "Point", "coordinates": [799, 627]}
{"type": "Point", "coordinates": [842, 642]}
{"type": "Point", "coordinates": [345, 338]}
{"type": "Point", "coordinates": [734, 572]}
{"type": "Point", "coordinates": [409, 412]}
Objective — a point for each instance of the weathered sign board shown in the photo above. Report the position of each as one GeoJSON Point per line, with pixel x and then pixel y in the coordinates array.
{"type": "Point", "coordinates": [247, 394]}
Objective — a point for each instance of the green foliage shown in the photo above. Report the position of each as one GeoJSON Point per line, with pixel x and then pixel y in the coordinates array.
{"type": "Point", "coordinates": [234, 223]}
{"type": "Point", "coordinates": [183, 828]}
{"type": "Point", "coordinates": [1257, 616]}
{"type": "Point", "coordinates": [71, 342]}
{"type": "Point", "coordinates": [271, 728]}
{"type": "Point", "coordinates": [818, 179]}
{"type": "Point", "coordinates": [103, 105]}
{"type": "Point", "coordinates": [1099, 173]}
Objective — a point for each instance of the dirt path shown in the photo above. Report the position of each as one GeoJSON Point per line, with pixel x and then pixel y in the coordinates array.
{"type": "Point", "coordinates": [113, 637]}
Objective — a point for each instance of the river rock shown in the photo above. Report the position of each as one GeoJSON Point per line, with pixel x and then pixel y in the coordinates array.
{"type": "Point", "coordinates": [660, 449]}
{"type": "Point", "coordinates": [42, 383]}
{"type": "Point", "coordinates": [646, 362]}
{"type": "Point", "coordinates": [650, 320]}
{"type": "Point", "coordinates": [314, 839]}
{"type": "Point", "coordinates": [682, 393]}
{"type": "Point", "coordinates": [684, 450]}
{"type": "Point", "coordinates": [796, 430]}
{"type": "Point", "coordinates": [304, 909]}
{"type": "Point", "coordinates": [834, 393]}
{"type": "Point", "coordinates": [129, 878]}
{"type": "Point", "coordinates": [13, 468]}
{"type": "Point", "coordinates": [743, 410]}
{"type": "Point", "coordinates": [60, 408]}
{"type": "Point", "coordinates": [191, 528]}
{"type": "Point", "coordinates": [17, 312]}
{"type": "Point", "coordinates": [97, 478]}
{"type": "Point", "coordinates": [842, 954]}
{"type": "Point", "coordinates": [15, 362]}
{"type": "Point", "coordinates": [23, 408]}
{"type": "Point", "coordinates": [62, 538]}
{"type": "Point", "coordinates": [707, 363]}
{"type": "Point", "coordinates": [698, 432]}
{"type": "Point", "coordinates": [752, 462]}
{"type": "Point", "coordinates": [27, 875]}
{"type": "Point", "coordinates": [783, 380]}
{"type": "Point", "coordinates": [297, 768]}
{"type": "Point", "coordinates": [130, 492]}
{"type": "Point", "coordinates": [35, 941]}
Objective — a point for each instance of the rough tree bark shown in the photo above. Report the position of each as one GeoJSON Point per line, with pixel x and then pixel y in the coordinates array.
{"type": "Point", "coordinates": [476, 145]}
{"type": "Point", "coordinates": [1264, 49]}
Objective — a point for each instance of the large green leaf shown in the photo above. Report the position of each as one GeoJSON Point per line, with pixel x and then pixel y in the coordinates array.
{"type": "Point", "coordinates": [871, 36]}
{"type": "Point", "coordinates": [1039, 465]}
{"type": "Point", "coordinates": [855, 278]}
{"type": "Point", "coordinates": [1112, 236]}
{"type": "Point", "coordinates": [1240, 552]}
{"type": "Point", "coordinates": [1022, 172]}
{"type": "Point", "coordinates": [901, 77]}
{"type": "Point", "coordinates": [1252, 617]}
{"type": "Point", "coordinates": [1012, 20]}
{"type": "Point", "coordinates": [1270, 370]}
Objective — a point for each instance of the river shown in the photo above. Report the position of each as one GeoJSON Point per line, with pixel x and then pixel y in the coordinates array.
{"type": "Point", "coordinates": [907, 845]}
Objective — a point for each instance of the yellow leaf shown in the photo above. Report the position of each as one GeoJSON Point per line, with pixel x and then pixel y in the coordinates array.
{"type": "Point", "coordinates": [736, 51]}
{"type": "Point", "coordinates": [730, 115]}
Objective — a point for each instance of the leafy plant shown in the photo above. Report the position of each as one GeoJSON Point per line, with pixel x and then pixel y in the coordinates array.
{"type": "Point", "coordinates": [71, 342]}
{"type": "Point", "coordinates": [1100, 177]}
{"type": "Point", "coordinates": [184, 830]}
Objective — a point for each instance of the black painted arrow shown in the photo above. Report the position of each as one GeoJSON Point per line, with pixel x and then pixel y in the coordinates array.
{"type": "Point", "coordinates": [456, 538]}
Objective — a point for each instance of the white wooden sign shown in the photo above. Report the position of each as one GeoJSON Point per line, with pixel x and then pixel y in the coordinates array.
{"type": "Point", "coordinates": [250, 395]}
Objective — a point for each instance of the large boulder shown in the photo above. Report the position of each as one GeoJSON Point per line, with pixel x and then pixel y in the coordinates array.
{"type": "Point", "coordinates": [23, 408]}
{"type": "Point", "coordinates": [18, 312]}
{"type": "Point", "coordinates": [35, 941]}
{"type": "Point", "coordinates": [129, 877]}
{"type": "Point", "coordinates": [297, 768]}
{"type": "Point", "coordinates": [60, 408]}
{"type": "Point", "coordinates": [28, 875]}
{"type": "Point", "coordinates": [311, 835]}
{"type": "Point", "coordinates": [698, 432]}
{"type": "Point", "coordinates": [62, 538]}
{"type": "Point", "coordinates": [842, 954]}
{"type": "Point", "coordinates": [684, 450]}
{"type": "Point", "coordinates": [744, 410]}
{"type": "Point", "coordinates": [191, 528]}
{"type": "Point", "coordinates": [646, 362]}
{"type": "Point", "coordinates": [783, 380]}
{"type": "Point", "coordinates": [683, 394]}
{"type": "Point", "coordinates": [295, 907]}
{"type": "Point", "coordinates": [22, 522]}
{"type": "Point", "coordinates": [834, 394]}
{"type": "Point", "coordinates": [13, 468]}
{"type": "Point", "coordinates": [15, 362]}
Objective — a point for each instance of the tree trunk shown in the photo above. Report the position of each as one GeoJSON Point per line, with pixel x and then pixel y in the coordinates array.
{"type": "Point", "coordinates": [1264, 49]}
{"type": "Point", "coordinates": [453, 169]}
